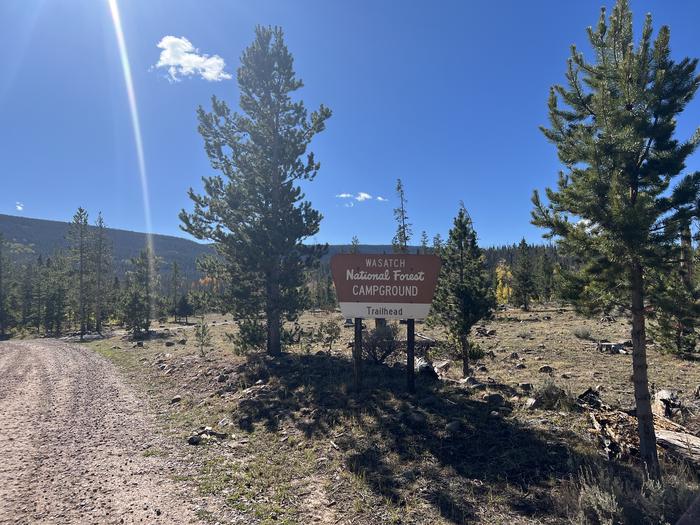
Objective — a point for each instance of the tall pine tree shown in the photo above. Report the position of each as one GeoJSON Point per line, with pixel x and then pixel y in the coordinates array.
{"type": "Point", "coordinates": [463, 295]}
{"type": "Point", "coordinates": [78, 238]}
{"type": "Point", "coordinates": [255, 211]}
{"type": "Point", "coordinates": [524, 287]}
{"type": "Point", "coordinates": [616, 208]}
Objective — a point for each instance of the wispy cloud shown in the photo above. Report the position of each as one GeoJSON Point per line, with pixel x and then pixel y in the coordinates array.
{"type": "Point", "coordinates": [360, 196]}
{"type": "Point", "coordinates": [182, 59]}
{"type": "Point", "coordinates": [382, 199]}
{"type": "Point", "coordinates": [19, 206]}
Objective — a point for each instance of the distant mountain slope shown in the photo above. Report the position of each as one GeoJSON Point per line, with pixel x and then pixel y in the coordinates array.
{"type": "Point", "coordinates": [42, 237]}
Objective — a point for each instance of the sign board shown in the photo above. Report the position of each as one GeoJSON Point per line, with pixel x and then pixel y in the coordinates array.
{"type": "Point", "coordinates": [393, 286]}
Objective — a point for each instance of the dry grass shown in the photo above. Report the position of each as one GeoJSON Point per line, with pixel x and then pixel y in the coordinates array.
{"type": "Point", "coordinates": [302, 448]}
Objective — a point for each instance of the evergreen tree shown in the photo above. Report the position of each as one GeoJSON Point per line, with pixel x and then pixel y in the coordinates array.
{"type": "Point", "coordinates": [255, 213]}
{"type": "Point", "coordinates": [4, 289]}
{"type": "Point", "coordinates": [78, 239]}
{"type": "Point", "coordinates": [616, 208]}
{"type": "Point", "coordinates": [403, 227]}
{"type": "Point", "coordinates": [463, 295]}
{"type": "Point", "coordinates": [174, 288]}
{"type": "Point", "coordinates": [545, 277]}
{"type": "Point", "coordinates": [101, 268]}
{"type": "Point", "coordinates": [355, 245]}
{"type": "Point", "coordinates": [139, 295]}
{"type": "Point", "coordinates": [423, 242]}
{"type": "Point", "coordinates": [184, 308]}
{"type": "Point", "coordinates": [437, 243]}
{"type": "Point", "coordinates": [523, 277]}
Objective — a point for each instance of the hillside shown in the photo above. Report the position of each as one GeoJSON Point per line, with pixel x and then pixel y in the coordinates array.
{"type": "Point", "coordinates": [36, 237]}
{"type": "Point", "coordinates": [42, 237]}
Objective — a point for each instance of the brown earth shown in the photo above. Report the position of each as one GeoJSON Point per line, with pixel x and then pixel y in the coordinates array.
{"type": "Point", "coordinates": [75, 442]}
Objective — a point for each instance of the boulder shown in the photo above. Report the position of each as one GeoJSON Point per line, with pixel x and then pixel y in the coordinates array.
{"type": "Point", "coordinates": [666, 403]}
{"type": "Point", "coordinates": [424, 368]}
{"type": "Point", "coordinates": [454, 426]}
{"type": "Point", "coordinates": [494, 399]}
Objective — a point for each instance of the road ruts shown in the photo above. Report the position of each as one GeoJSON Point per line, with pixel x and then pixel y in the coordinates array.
{"type": "Point", "coordinates": [73, 435]}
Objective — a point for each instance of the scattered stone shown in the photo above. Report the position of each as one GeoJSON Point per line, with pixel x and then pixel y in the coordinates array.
{"type": "Point", "coordinates": [115, 347]}
{"type": "Point", "coordinates": [546, 369]}
{"type": "Point", "coordinates": [490, 354]}
{"type": "Point", "coordinates": [530, 403]}
{"type": "Point", "coordinates": [482, 368]}
{"type": "Point", "coordinates": [541, 346]}
{"type": "Point", "coordinates": [494, 399]}
{"type": "Point", "coordinates": [416, 418]}
{"type": "Point", "coordinates": [182, 342]}
{"type": "Point", "coordinates": [169, 343]}
{"type": "Point", "coordinates": [442, 366]}
{"type": "Point", "coordinates": [139, 344]}
{"type": "Point", "coordinates": [590, 398]}
{"type": "Point", "coordinates": [520, 366]}
{"type": "Point", "coordinates": [495, 413]}
{"type": "Point", "coordinates": [514, 355]}
{"type": "Point", "coordinates": [175, 399]}
{"type": "Point", "coordinates": [222, 378]}
{"type": "Point", "coordinates": [194, 440]}
{"type": "Point", "coordinates": [454, 426]}
{"type": "Point", "coordinates": [566, 376]}
{"type": "Point", "coordinates": [525, 387]}
{"type": "Point", "coordinates": [424, 368]}
{"type": "Point", "coordinates": [666, 403]}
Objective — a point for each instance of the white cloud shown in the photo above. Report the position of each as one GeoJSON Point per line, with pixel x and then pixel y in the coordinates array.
{"type": "Point", "coordinates": [182, 59]}
{"type": "Point", "coordinates": [344, 196]}
{"type": "Point", "coordinates": [19, 206]}
{"type": "Point", "coordinates": [362, 196]}
{"type": "Point", "coordinates": [382, 199]}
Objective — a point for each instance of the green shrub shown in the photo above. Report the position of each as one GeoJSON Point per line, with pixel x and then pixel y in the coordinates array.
{"type": "Point", "coordinates": [251, 335]}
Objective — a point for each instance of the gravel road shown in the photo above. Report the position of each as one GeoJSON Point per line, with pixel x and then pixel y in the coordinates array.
{"type": "Point", "coordinates": [73, 436]}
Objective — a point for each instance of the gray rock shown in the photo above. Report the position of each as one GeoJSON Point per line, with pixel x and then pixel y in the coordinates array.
{"type": "Point", "coordinates": [495, 413]}
{"type": "Point", "coordinates": [194, 440]}
{"type": "Point", "coordinates": [175, 399]}
{"type": "Point", "coordinates": [520, 366]}
{"type": "Point", "coordinates": [530, 403]}
{"type": "Point", "coordinates": [514, 355]}
{"type": "Point", "coordinates": [424, 368]}
{"type": "Point", "coordinates": [482, 368]}
{"type": "Point", "coordinates": [525, 387]}
{"type": "Point", "coordinates": [222, 378]}
{"type": "Point", "coordinates": [169, 343]}
{"type": "Point", "coordinates": [416, 418]}
{"type": "Point", "coordinates": [454, 426]}
{"type": "Point", "coordinates": [546, 369]}
{"type": "Point", "coordinates": [494, 399]}
{"type": "Point", "coordinates": [182, 342]}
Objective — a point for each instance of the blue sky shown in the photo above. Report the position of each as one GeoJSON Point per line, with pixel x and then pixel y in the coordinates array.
{"type": "Point", "coordinates": [446, 95]}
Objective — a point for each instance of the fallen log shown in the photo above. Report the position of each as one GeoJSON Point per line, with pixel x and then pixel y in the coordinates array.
{"type": "Point", "coordinates": [680, 445]}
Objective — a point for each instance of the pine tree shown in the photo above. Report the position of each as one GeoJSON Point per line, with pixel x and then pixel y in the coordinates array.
{"type": "Point", "coordinates": [78, 239]}
{"type": "Point", "coordinates": [101, 254]}
{"type": "Point", "coordinates": [255, 213]}
{"type": "Point", "coordinates": [545, 277]}
{"type": "Point", "coordinates": [140, 293]}
{"type": "Point", "coordinates": [437, 243]}
{"type": "Point", "coordinates": [355, 245]}
{"type": "Point", "coordinates": [523, 277]}
{"type": "Point", "coordinates": [174, 291]}
{"type": "Point", "coordinates": [4, 289]}
{"type": "Point", "coordinates": [424, 242]}
{"type": "Point", "coordinates": [403, 227]}
{"type": "Point", "coordinates": [463, 295]}
{"type": "Point", "coordinates": [616, 208]}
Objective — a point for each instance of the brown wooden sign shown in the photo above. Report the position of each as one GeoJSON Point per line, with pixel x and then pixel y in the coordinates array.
{"type": "Point", "coordinates": [393, 286]}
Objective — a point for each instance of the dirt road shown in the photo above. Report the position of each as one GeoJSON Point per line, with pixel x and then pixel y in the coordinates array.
{"type": "Point", "coordinates": [73, 436]}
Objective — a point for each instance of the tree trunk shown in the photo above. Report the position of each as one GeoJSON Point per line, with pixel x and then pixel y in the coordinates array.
{"type": "Point", "coordinates": [272, 312]}
{"type": "Point", "coordinates": [464, 343]}
{"type": "Point", "coordinates": [645, 418]}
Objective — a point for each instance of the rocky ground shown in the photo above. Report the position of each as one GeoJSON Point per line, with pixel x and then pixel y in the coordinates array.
{"type": "Point", "coordinates": [249, 439]}
{"type": "Point", "coordinates": [285, 440]}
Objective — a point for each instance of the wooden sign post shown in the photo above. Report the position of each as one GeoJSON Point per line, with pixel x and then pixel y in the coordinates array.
{"type": "Point", "coordinates": [396, 286]}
